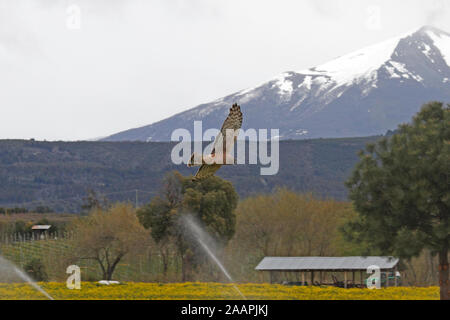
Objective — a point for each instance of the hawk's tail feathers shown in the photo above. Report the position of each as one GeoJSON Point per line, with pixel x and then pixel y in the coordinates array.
{"type": "Point", "coordinates": [196, 160]}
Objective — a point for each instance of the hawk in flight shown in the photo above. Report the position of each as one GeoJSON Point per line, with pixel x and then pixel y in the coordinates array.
{"type": "Point", "coordinates": [222, 149]}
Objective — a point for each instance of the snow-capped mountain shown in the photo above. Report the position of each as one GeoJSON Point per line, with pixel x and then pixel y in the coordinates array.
{"type": "Point", "coordinates": [367, 92]}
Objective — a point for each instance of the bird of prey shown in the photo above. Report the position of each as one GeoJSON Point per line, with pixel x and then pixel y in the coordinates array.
{"type": "Point", "coordinates": [222, 149]}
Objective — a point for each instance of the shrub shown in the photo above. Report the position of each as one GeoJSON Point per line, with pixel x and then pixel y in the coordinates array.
{"type": "Point", "coordinates": [36, 270]}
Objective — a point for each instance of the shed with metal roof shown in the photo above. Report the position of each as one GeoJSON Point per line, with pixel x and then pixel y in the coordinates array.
{"type": "Point", "coordinates": [39, 231]}
{"type": "Point", "coordinates": [333, 265]}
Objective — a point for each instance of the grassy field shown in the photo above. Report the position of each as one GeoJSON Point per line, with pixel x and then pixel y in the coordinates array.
{"type": "Point", "coordinates": [210, 291]}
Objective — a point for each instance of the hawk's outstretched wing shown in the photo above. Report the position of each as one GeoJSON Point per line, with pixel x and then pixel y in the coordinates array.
{"type": "Point", "coordinates": [232, 122]}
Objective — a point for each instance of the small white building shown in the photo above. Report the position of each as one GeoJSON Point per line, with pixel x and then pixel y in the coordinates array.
{"type": "Point", "coordinates": [40, 230]}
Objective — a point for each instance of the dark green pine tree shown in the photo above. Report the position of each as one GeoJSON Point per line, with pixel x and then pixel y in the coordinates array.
{"type": "Point", "coordinates": [401, 190]}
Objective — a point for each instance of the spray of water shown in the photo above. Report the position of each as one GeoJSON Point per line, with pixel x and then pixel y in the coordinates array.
{"type": "Point", "coordinates": [9, 272]}
{"type": "Point", "coordinates": [202, 238]}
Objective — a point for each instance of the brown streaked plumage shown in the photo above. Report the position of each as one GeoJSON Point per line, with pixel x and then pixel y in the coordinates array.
{"type": "Point", "coordinates": [232, 122]}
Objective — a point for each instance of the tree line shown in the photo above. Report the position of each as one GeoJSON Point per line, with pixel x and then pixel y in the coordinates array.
{"type": "Point", "coordinates": [20, 210]}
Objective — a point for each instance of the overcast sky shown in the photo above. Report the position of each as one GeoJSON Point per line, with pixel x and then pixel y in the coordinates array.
{"type": "Point", "coordinates": [81, 69]}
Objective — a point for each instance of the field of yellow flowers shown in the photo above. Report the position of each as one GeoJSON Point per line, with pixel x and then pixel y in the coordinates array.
{"type": "Point", "coordinates": [210, 291]}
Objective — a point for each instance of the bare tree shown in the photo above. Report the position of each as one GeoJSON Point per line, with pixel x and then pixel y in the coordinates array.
{"type": "Point", "coordinates": [107, 236]}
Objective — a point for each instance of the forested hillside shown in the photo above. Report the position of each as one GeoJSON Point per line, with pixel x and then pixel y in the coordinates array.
{"type": "Point", "coordinates": [59, 174]}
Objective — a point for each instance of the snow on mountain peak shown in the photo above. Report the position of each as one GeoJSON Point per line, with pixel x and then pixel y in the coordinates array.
{"type": "Point", "coordinates": [441, 40]}
{"type": "Point", "coordinates": [359, 64]}
{"type": "Point", "coordinates": [362, 66]}
{"type": "Point", "coordinates": [284, 85]}
{"type": "Point", "coordinates": [394, 58]}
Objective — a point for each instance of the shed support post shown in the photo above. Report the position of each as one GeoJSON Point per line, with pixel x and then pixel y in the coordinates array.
{"type": "Point", "coordinates": [387, 279]}
{"type": "Point", "coordinates": [320, 277]}
{"type": "Point", "coordinates": [312, 278]}
{"type": "Point", "coordinates": [395, 276]}
{"type": "Point", "coordinates": [353, 277]}
{"type": "Point", "coordinates": [361, 278]}
{"type": "Point", "coordinates": [303, 278]}
{"type": "Point", "coordinates": [345, 279]}
{"type": "Point", "coordinates": [271, 277]}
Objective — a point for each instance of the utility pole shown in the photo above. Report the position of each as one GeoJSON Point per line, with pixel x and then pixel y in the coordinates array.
{"type": "Point", "coordinates": [137, 200]}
